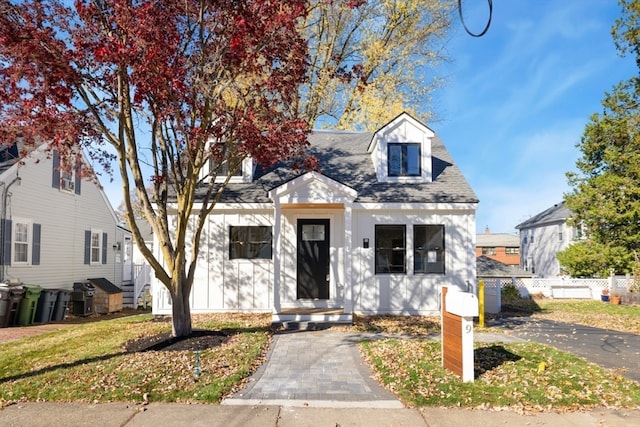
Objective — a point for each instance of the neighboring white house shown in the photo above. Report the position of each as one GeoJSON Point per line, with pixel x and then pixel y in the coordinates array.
{"type": "Point", "coordinates": [387, 221]}
{"type": "Point", "coordinates": [56, 229]}
{"type": "Point", "coordinates": [542, 237]}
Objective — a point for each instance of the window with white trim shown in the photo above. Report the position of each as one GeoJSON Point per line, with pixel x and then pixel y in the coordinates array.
{"type": "Point", "coordinates": [21, 242]}
{"type": "Point", "coordinates": [220, 167]}
{"type": "Point", "coordinates": [403, 159]}
{"type": "Point", "coordinates": [65, 179]}
{"type": "Point", "coordinates": [95, 246]}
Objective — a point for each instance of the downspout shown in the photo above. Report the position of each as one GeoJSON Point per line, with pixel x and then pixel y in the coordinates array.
{"type": "Point", "coordinates": [5, 196]}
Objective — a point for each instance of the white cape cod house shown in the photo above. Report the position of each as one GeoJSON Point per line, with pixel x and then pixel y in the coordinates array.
{"type": "Point", "coordinates": [386, 222]}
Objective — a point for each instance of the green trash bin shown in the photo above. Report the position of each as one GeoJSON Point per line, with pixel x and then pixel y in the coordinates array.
{"type": "Point", "coordinates": [29, 304]}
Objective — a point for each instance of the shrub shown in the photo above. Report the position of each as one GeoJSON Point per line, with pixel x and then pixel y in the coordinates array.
{"type": "Point", "coordinates": [510, 293]}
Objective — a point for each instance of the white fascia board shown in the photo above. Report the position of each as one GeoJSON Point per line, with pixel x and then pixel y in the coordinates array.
{"type": "Point", "coordinates": [172, 207]}
{"type": "Point", "coordinates": [304, 180]}
{"type": "Point", "coordinates": [417, 206]}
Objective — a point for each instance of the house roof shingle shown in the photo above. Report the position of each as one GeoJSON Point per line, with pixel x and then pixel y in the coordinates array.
{"type": "Point", "coordinates": [343, 157]}
{"type": "Point", "coordinates": [487, 267]}
{"type": "Point", "coordinates": [555, 214]}
{"type": "Point", "coordinates": [497, 240]}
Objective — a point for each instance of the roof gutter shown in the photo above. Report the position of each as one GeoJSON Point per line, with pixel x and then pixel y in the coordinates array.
{"type": "Point", "coordinates": [3, 216]}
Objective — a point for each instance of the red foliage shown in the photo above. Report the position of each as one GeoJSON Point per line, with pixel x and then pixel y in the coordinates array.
{"type": "Point", "coordinates": [73, 74]}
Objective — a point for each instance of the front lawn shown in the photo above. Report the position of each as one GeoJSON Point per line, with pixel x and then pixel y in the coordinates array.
{"type": "Point", "coordinates": [104, 361]}
{"type": "Point", "coordinates": [507, 375]}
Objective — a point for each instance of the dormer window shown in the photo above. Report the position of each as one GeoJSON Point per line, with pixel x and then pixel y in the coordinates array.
{"type": "Point", "coordinates": [222, 169]}
{"type": "Point", "coordinates": [403, 159]}
{"type": "Point", "coordinates": [401, 151]}
{"type": "Point", "coordinates": [223, 161]}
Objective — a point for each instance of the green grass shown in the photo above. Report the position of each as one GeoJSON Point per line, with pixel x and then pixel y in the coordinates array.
{"type": "Point", "coordinates": [88, 363]}
{"type": "Point", "coordinates": [625, 318]}
{"type": "Point", "coordinates": [507, 375]}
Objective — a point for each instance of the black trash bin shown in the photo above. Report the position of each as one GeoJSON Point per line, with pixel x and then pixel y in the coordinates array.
{"type": "Point", "coordinates": [46, 303]}
{"type": "Point", "coordinates": [16, 293]}
{"type": "Point", "coordinates": [60, 308]}
{"type": "Point", "coordinates": [5, 299]}
{"type": "Point", "coordinates": [82, 297]}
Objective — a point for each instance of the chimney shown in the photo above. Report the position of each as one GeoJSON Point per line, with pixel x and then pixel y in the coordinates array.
{"type": "Point", "coordinates": [486, 230]}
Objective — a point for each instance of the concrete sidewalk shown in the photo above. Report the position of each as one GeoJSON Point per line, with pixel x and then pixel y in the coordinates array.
{"type": "Point", "coordinates": [166, 414]}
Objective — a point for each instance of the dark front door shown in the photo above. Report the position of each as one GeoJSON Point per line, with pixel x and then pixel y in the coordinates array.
{"type": "Point", "coordinates": [313, 259]}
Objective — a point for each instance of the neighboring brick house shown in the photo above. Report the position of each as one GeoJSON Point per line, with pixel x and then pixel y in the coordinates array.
{"type": "Point", "coordinates": [502, 247]}
{"type": "Point", "coordinates": [542, 237]}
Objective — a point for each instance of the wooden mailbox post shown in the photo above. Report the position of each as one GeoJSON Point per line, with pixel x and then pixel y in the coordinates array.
{"type": "Point", "coordinates": [458, 310]}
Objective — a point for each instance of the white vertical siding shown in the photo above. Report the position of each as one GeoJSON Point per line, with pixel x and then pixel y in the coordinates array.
{"type": "Point", "coordinates": [222, 284]}
{"type": "Point", "coordinates": [410, 293]}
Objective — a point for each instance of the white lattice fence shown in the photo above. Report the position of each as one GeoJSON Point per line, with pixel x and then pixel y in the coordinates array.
{"type": "Point", "coordinates": [563, 288]}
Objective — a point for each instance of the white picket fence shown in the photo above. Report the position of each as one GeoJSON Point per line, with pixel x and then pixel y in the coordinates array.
{"type": "Point", "coordinates": [563, 287]}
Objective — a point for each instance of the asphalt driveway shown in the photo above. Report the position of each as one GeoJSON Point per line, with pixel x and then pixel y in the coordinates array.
{"type": "Point", "coordinates": [615, 350]}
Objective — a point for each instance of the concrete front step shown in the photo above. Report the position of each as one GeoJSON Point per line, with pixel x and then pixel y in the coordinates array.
{"type": "Point", "coordinates": [310, 321]}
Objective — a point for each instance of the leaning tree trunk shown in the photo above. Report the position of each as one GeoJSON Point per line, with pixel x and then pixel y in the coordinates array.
{"type": "Point", "coordinates": [181, 310]}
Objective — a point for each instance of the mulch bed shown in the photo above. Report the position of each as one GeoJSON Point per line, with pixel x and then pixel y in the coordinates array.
{"type": "Point", "coordinates": [198, 340]}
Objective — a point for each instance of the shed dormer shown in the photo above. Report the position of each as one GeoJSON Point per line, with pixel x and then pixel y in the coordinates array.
{"type": "Point", "coordinates": [401, 151]}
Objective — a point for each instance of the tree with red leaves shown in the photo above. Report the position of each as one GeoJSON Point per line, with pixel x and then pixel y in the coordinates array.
{"type": "Point", "coordinates": [163, 89]}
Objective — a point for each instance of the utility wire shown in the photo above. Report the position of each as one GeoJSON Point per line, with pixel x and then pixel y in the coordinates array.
{"type": "Point", "coordinates": [464, 24]}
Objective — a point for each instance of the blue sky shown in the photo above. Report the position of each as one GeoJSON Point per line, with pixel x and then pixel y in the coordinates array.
{"type": "Point", "coordinates": [517, 100]}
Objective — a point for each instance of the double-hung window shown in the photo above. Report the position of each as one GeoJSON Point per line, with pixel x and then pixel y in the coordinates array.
{"type": "Point", "coordinates": [250, 242]}
{"type": "Point", "coordinates": [21, 239]}
{"type": "Point", "coordinates": [95, 247]}
{"type": "Point", "coordinates": [21, 242]}
{"type": "Point", "coordinates": [403, 159]}
{"type": "Point", "coordinates": [390, 249]}
{"type": "Point", "coordinates": [428, 249]}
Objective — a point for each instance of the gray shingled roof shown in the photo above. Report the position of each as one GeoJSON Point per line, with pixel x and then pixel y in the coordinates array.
{"type": "Point", "coordinates": [343, 157]}
{"type": "Point", "coordinates": [557, 213]}
{"type": "Point", "coordinates": [497, 239]}
{"type": "Point", "coordinates": [487, 267]}
{"type": "Point", "coordinates": [105, 285]}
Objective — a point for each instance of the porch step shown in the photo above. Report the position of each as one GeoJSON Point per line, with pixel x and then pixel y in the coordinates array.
{"type": "Point", "coordinates": [309, 322]}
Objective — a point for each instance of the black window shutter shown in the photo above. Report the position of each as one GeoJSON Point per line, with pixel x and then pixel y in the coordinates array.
{"type": "Point", "coordinates": [87, 246]}
{"type": "Point", "coordinates": [104, 248]}
{"type": "Point", "coordinates": [78, 181]}
{"type": "Point", "coordinates": [6, 228]}
{"type": "Point", "coordinates": [55, 182]}
{"type": "Point", "coordinates": [35, 252]}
